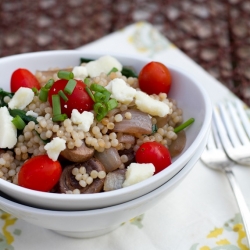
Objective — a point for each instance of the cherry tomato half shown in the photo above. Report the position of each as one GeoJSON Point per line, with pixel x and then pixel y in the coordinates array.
{"type": "Point", "coordinates": [23, 78]}
{"type": "Point", "coordinates": [155, 78]}
{"type": "Point", "coordinates": [155, 153]}
{"type": "Point", "coordinates": [79, 99]}
{"type": "Point", "coordinates": [39, 173]}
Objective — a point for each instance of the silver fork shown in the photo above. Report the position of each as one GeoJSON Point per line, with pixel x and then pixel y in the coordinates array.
{"type": "Point", "coordinates": [215, 157]}
{"type": "Point", "coordinates": [235, 136]}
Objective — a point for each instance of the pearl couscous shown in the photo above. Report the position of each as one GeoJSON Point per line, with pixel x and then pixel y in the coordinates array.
{"type": "Point", "coordinates": [101, 136]}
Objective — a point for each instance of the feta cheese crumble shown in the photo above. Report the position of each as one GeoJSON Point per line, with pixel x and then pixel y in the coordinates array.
{"type": "Point", "coordinates": [137, 172]}
{"type": "Point", "coordinates": [84, 120]}
{"type": "Point", "coordinates": [80, 72]}
{"type": "Point", "coordinates": [22, 98]}
{"type": "Point", "coordinates": [55, 147]}
{"type": "Point", "coordinates": [102, 65]}
{"type": "Point", "coordinates": [153, 107]}
{"type": "Point", "coordinates": [121, 91]}
{"type": "Point", "coordinates": [8, 132]}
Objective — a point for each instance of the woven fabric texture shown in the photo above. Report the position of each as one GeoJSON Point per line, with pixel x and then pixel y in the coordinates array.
{"type": "Point", "coordinates": [215, 34]}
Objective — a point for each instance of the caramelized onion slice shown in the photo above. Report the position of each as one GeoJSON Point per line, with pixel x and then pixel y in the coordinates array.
{"type": "Point", "coordinates": [140, 122]}
{"type": "Point", "coordinates": [126, 138]}
{"type": "Point", "coordinates": [68, 182]}
{"type": "Point", "coordinates": [114, 180]}
{"type": "Point", "coordinates": [178, 145]}
{"type": "Point", "coordinates": [109, 158]}
{"type": "Point", "coordinates": [78, 154]}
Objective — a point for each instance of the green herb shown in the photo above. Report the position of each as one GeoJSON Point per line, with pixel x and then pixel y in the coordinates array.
{"type": "Point", "coordinates": [128, 72]}
{"type": "Point", "coordinates": [184, 125]}
{"type": "Point", "coordinates": [111, 104]}
{"type": "Point", "coordinates": [22, 114]}
{"type": "Point", "coordinates": [70, 86]}
{"type": "Point", "coordinates": [96, 87]}
{"type": "Point", "coordinates": [65, 75]}
{"type": "Point", "coordinates": [18, 122]}
{"type": "Point", "coordinates": [63, 96]}
{"type": "Point", "coordinates": [59, 118]}
{"type": "Point", "coordinates": [87, 81]}
{"type": "Point", "coordinates": [113, 70]}
{"type": "Point", "coordinates": [90, 93]}
{"type": "Point", "coordinates": [56, 105]}
{"type": "Point", "coordinates": [49, 84]}
{"type": "Point", "coordinates": [35, 90]}
{"type": "Point", "coordinates": [2, 95]}
{"type": "Point", "coordinates": [43, 95]}
{"type": "Point", "coordinates": [154, 128]}
{"type": "Point", "coordinates": [85, 60]}
{"type": "Point", "coordinates": [101, 110]}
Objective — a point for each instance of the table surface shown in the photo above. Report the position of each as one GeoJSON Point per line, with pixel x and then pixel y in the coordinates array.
{"type": "Point", "coordinates": [200, 213]}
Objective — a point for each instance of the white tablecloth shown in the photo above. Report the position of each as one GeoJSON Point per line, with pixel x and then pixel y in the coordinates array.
{"type": "Point", "coordinates": [200, 214]}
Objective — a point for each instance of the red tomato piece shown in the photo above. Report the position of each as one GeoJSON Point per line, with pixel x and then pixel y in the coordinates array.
{"type": "Point", "coordinates": [23, 78]}
{"type": "Point", "coordinates": [155, 78]}
{"type": "Point", "coordinates": [79, 99]}
{"type": "Point", "coordinates": [39, 173]}
{"type": "Point", "coordinates": [155, 153]}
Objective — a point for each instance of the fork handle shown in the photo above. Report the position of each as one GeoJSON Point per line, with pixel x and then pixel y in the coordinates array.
{"type": "Point", "coordinates": [245, 214]}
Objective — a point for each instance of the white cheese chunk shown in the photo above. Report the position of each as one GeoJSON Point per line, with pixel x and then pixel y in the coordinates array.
{"type": "Point", "coordinates": [102, 65]}
{"type": "Point", "coordinates": [8, 132]}
{"type": "Point", "coordinates": [137, 172]}
{"type": "Point", "coordinates": [84, 120]}
{"type": "Point", "coordinates": [55, 147]}
{"type": "Point", "coordinates": [21, 98]}
{"type": "Point", "coordinates": [32, 113]}
{"type": "Point", "coordinates": [121, 91]}
{"type": "Point", "coordinates": [153, 107]}
{"type": "Point", "coordinates": [80, 72]}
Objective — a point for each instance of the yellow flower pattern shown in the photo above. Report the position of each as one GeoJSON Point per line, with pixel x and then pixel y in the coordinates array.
{"type": "Point", "coordinates": [217, 239]}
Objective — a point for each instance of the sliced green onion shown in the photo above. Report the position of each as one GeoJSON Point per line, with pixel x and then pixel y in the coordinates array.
{"type": "Point", "coordinates": [56, 105]}
{"type": "Point", "coordinates": [63, 96]}
{"type": "Point", "coordinates": [35, 90]}
{"type": "Point", "coordinates": [90, 93]}
{"type": "Point", "coordinates": [49, 84]}
{"type": "Point", "coordinates": [43, 95]}
{"type": "Point", "coordinates": [70, 86]}
{"type": "Point", "coordinates": [59, 118]}
{"type": "Point", "coordinates": [154, 128]}
{"type": "Point", "coordinates": [113, 70]}
{"type": "Point", "coordinates": [128, 72]}
{"type": "Point", "coordinates": [111, 104]}
{"type": "Point", "coordinates": [101, 110]}
{"type": "Point", "coordinates": [22, 114]}
{"type": "Point", "coordinates": [18, 122]}
{"type": "Point", "coordinates": [102, 97]}
{"type": "Point", "coordinates": [87, 81]}
{"type": "Point", "coordinates": [67, 75]}
{"type": "Point", "coordinates": [184, 125]}
{"type": "Point", "coordinates": [97, 88]}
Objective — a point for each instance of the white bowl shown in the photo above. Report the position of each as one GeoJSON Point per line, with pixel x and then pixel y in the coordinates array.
{"type": "Point", "coordinates": [189, 93]}
{"type": "Point", "coordinates": [93, 223]}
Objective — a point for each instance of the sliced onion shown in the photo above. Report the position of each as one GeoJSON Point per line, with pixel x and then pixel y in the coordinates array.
{"type": "Point", "coordinates": [125, 138]}
{"type": "Point", "coordinates": [177, 146]}
{"type": "Point", "coordinates": [139, 123]}
{"type": "Point", "coordinates": [114, 180]}
{"type": "Point", "coordinates": [109, 158]}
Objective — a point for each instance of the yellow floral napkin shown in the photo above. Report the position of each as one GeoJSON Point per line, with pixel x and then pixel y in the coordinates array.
{"type": "Point", "coordinates": [200, 214]}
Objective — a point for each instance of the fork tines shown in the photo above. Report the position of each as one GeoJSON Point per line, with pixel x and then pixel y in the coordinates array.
{"type": "Point", "coordinates": [233, 127]}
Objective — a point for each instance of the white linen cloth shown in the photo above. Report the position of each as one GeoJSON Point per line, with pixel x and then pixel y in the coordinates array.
{"type": "Point", "coordinates": [199, 214]}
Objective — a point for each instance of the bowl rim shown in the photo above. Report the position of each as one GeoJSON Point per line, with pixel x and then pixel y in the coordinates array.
{"type": "Point", "coordinates": [126, 205]}
{"type": "Point", "coordinates": [138, 186]}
